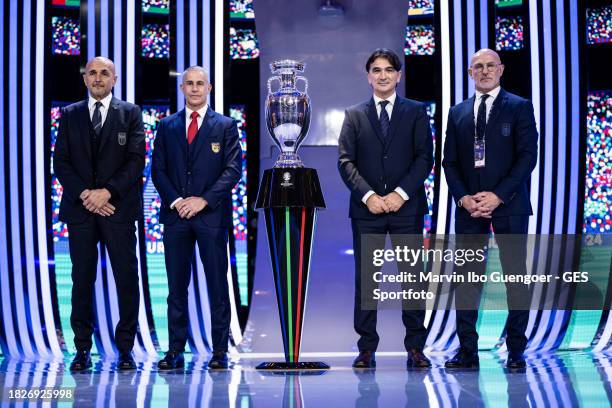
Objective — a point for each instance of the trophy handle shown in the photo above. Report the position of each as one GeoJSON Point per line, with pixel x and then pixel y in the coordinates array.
{"type": "Point", "coordinates": [297, 78]}
{"type": "Point", "coordinates": [272, 78]}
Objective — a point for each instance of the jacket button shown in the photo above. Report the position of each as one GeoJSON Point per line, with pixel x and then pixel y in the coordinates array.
{"type": "Point", "coordinates": [385, 156]}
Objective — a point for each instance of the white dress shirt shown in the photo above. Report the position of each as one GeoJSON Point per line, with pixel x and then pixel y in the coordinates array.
{"type": "Point", "coordinates": [389, 109]}
{"type": "Point", "coordinates": [91, 104]}
{"type": "Point", "coordinates": [188, 112]}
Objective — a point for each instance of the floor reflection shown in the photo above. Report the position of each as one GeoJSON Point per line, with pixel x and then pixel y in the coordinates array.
{"type": "Point", "coordinates": [562, 379]}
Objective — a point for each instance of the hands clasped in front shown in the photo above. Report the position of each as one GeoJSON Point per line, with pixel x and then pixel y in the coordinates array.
{"type": "Point", "coordinates": [189, 207]}
{"type": "Point", "coordinates": [392, 202]}
{"type": "Point", "coordinates": [96, 201]}
{"type": "Point", "coordinates": [481, 204]}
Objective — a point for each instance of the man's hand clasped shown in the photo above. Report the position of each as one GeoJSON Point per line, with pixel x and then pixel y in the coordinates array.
{"type": "Point", "coordinates": [96, 201]}
{"type": "Point", "coordinates": [189, 207]}
{"type": "Point", "coordinates": [392, 202]}
{"type": "Point", "coordinates": [481, 205]}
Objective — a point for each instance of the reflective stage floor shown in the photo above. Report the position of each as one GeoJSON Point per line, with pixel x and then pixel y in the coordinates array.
{"type": "Point", "coordinates": [567, 378]}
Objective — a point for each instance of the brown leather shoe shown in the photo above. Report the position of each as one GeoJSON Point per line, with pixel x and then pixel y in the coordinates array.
{"type": "Point", "coordinates": [416, 359]}
{"type": "Point", "coordinates": [365, 359]}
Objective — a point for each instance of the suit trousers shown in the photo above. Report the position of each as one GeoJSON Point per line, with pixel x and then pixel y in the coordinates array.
{"type": "Point", "coordinates": [510, 233]}
{"type": "Point", "coordinates": [119, 239]}
{"type": "Point", "coordinates": [365, 320]}
{"type": "Point", "coordinates": [179, 246]}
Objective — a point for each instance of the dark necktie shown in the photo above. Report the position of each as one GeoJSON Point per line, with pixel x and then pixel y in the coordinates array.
{"type": "Point", "coordinates": [384, 118]}
{"type": "Point", "coordinates": [481, 118]}
{"type": "Point", "coordinates": [96, 119]}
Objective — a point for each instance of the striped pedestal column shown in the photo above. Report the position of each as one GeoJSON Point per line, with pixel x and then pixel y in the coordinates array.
{"type": "Point", "coordinates": [289, 199]}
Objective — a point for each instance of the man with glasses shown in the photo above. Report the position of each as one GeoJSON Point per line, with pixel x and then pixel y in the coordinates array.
{"type": "Point", "coordinates": [491, 148]}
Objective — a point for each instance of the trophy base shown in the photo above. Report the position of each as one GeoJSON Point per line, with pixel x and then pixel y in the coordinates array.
{"type": "Point", "coordinates": [288, 160]}
{"type": "Point", "coordinates": [302, 365]}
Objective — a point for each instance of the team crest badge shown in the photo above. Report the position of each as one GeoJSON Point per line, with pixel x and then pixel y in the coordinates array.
{"type": "Point", "coordinates": [506, 129]}
{"type": "Point", "coordinates": [216, 147]}
{"type": "Point", "coordinates": [122, 138]}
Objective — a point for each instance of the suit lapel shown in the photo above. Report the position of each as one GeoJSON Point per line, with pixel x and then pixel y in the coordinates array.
{"type": "Point", "coordinates": [498, 105]}
{"type": "Point", "coordinates": [468, 117]}
{"type": "Point", "coordinates": [370, 111]}
{"type": "Point", "coordinates": [204, 131]}
{"type": "Point", "coordinates": [396, 118]}
{"type": "Point", "coordinates": [180, 122]}
{"type": "Point", "coordinates": [109, 123]}
{"type": "Point", "coordinates": [85, 126]}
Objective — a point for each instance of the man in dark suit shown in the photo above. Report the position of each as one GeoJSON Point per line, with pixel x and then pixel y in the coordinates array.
{"type": "Point", "coordinates": [385, 155]}
{"type": "Point", "coordinates": [196, 163]}
{"type": "Point", "coordinates": [490, 151]}
{"type": "Point", "coordinates": [99, 158]}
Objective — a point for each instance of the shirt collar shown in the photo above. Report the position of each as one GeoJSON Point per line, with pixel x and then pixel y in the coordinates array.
{"type": "Point", "coordinates": [391, 99]}
{"type": "Point", "coordinates": [201, 111]}
{"type": "Point", "coordinates": [492, 93]}
{"type": "Point", "coordinates": [91, 103]}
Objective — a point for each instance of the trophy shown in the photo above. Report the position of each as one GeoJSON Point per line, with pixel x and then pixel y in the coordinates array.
{"type": "Point", "coordinates": [289, 196]}
{"type": "Point", "coordinates": [288, 111]}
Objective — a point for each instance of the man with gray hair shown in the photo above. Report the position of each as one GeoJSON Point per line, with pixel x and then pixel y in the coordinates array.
{"type": "Point", "coordinates": [99, 158]}
{"type": "Point", "coordinates": [197, 161]}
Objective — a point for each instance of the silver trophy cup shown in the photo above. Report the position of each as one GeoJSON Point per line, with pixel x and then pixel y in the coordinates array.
{"type": "Point", "coordinates": [288, 111]}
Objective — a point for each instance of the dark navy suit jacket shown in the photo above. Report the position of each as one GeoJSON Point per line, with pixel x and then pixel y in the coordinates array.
{"type": "Point", "coordinates": [118, 167]}
{"type": "Point", "coordinates": [511, 153]}
{"type": "Point", "coordinates": [209, 168]}
{"type": "Point", "coordinates": [368, 161]}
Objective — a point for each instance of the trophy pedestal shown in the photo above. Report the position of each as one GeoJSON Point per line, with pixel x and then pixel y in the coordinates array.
{"type": "Point", "coordinates": [289, 199]}
{"type": "Point", "coordinates": [302, 365]}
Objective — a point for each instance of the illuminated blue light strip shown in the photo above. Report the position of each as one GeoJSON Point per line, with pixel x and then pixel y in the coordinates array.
{"type": "Point", "coordinates": [446, 104]}
{"type": "Point", "coordinates": [471, 39]}
{"type": "Point", "coordinates": [562, 119]}
{"type": "Point", "coordinates": [180, 51]}
{"type": "Point", "coordinates": [117, 46]}
{"type": "Point", "coordinates": [193, 26]}
{"type": "Point", "coordinates": [18, 290]}
{"type": "Point", "coordinates": [41, 184]}
{"type": "Point", "coordinates": [220, 52]}
{"type": "Point", "coordinates": [111, 296]}
{"type": "Point", "coordinates": [104, 28]}
{"type": "Point", "coordinates": [458, 49]}
{"type": "Point", "coordinates": [28, 184]}
{"type": "Point", "coordinates": [7, 317]}
{"type": "Point", "coordinates": [91, 29]}
{"type": "Point", "coordinates": [130, 57]}
{"type": "Point", "coordinates": [548, 91]}
{"type": "Point", "coordinates": [200, 333]}
{"type": "Point", "coordinates": [206, 34]}
{"type": "Point", "coordinates": [100, 310]}
{"type": "Point", "coordinates": [143, 322]}
{"type": "Point", "coordinates": [575, 131]}
{"type": "Point", "coordinates": [484, 24]}
{"type": "Point", "coordinates": [535, 99]}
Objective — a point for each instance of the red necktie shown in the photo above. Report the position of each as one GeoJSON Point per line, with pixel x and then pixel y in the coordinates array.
{"type": "Point", "coordinates": [193, 127]}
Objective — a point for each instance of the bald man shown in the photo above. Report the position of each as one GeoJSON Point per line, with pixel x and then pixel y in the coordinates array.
{"type": "Point", "coordinates": [491, 148]}
{"type": "Point", "coordinates": [99, 158]}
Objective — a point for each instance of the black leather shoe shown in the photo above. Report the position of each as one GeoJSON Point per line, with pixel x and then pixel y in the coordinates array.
{"type": "Point", "coordinates": [218, 361]}
{"type": "Point", "coordinates": [365, 359]}
{"type": "Point", "coordinates": [171, 361]}
{"type": "Point", "coordinates": [82, 361]}
{"type": "Point", "coordinates": [515, 361]}
{"type": "Point", "coordinates": [416, 359]}
{"type": "Point", "coordinates": [463, 359]}
{"type": "Point", "coordinates": [126, 361]}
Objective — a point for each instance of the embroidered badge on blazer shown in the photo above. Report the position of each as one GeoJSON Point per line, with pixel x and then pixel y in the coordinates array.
{"type": "Point", "coordinates": [216, 147]}
{"type": "Point", "coordinates": [122, 138]}
{"type": "Point", "coordinates": [506, 129]}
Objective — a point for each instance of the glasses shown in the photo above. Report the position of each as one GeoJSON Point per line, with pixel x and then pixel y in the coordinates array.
{"type": "Point", "coordinates": [490, 66]}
